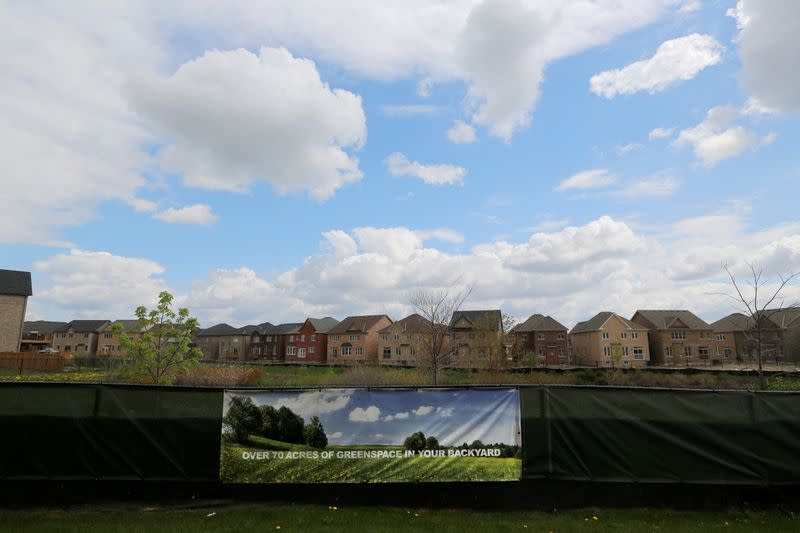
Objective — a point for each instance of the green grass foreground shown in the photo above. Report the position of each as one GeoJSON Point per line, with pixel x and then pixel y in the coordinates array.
{"type": "Point", "coordinates": [308, 518]}
{"type": "Point", "coordinates": [235, 469]}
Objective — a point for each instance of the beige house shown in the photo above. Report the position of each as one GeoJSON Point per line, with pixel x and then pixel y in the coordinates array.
{"type": "Point", "coordinates": [37, 335]}
{"type": "Point", "coordinates": [108, 340]}
{"type": "Point", "coordinates": [609, 340]}
{"type": "Point", "coordinates": [224, 342]}
{"type": "Point", "coordinates": [404, 342]}
{"type": "Point", "coordinates": [355, 339]}
{"type": "Point", "coordinates": [677, 337]}
{"type": "Point", "coordinates": [476, 339]}
{"type": "Point", "coordinates": [15, 287]}
{"type": "Point", "coordinates": [79, 337]}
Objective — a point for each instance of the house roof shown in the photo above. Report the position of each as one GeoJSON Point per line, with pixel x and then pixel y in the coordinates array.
{"type": "Point", "coordinates": [411, 324]}
{"type": "Point", "coordinates": [15, 282]}
{"type": "Point", "coordinates": [247, 330]}
{"type": "Point", "coordinates": [539, 322]}
{"type": "Point", "coordinates": [84, 326]}
{"type": "Point", "coordinates": [362, 323]}
{"type": "Point", "coordinates": [129, 326]}
{"type": "Point", "coordinates": [323, 325]}
{"type": "Point", "coordinates": [732, 322]}
{"type": "Point", "coordinates": [42, 326]}
{"type": "Point", "coordinates": [219, 330]}
{"type": "Point", "coordinates": [289, 327]}
{"type": "Point", "coordinates": [664, 319]}
{"type": "Point", "coordinates": [596, 323]}
{"type": "Point", "coordinates": [785, 318]}
{"type": "Point", "coordinates": [489, 319]}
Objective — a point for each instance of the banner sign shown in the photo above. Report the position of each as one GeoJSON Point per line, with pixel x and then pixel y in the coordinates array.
{"type": "Point", "coordinates": [368, 436]}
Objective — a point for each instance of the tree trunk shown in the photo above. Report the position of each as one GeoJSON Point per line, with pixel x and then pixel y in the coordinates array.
{"type": "Point", "coordinates": [762, 385]}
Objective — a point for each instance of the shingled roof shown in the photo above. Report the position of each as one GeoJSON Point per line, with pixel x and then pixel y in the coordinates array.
{"type": "Point", "coordinates": [323, 325]}
{"type": "Point", "coordinates": [539, 322]}
{"type": "Point", "coordinates": [83, 326]}
{"type": "Point", "coordinates": [597, 321]}
{"type": "Point", "coordinates": [128, 326]}
{"type": "Point", "coordinates": [42, 326]}
{"type": "Point", "coordinates": [361, 324]}
{"type": "Point", "coordinates": [664, 319]}
{"type": "Point", "coordinates": [15, 283]}
{"type": "Point", "coordinates": [219, 330]}
{"type": "Point", "coordinates": [411, 324]}
{"type": "Point", "coordinates": [784, 318]}
{"type": "Point", "coordinates": [489, 319]}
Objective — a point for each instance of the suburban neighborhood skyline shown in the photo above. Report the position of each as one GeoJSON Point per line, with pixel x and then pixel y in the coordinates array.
{"type": "Point", "coordinates": [559, 157]}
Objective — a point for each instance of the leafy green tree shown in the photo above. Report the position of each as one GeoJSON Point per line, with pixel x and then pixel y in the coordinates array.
{"type": "Point", "coordinates": [242, 419]}
{"type": "Point", "coordinates": [415, 442]}
{"type": "Point", "coordinates": [431, 443]}
{"type": "Point", "coordinates": [315, 434]}
{"type": "Point", "coordinates": [290, 426]}
{"type": "Point", "coordinates": [164, 348]}
{"type": "Point", "coordinates": [269, 422]}
{"type": "Point", "coordinates": [476, 444]}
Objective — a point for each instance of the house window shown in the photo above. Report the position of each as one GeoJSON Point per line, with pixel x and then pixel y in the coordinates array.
{"type": "Point", "coordinates": [687, 351]}
{"type": "Point", "coordinates": [107, 348]}
{"type": "Point", "coordinates": [67, 348]}
{"type": "Point", "coordinates": [70, 335]}
{"type": "Point", "coordinates": [347, 350]}
{"type": "Point", "coordinates": [635, 335]}
{"type": "Point", "coordinates": [85, 335]}
{"type": "Point", "coordinates": [541, 352]}
{"type": "Point", "coordinates": [387, 352]}
{"type": "Point", "coordinates": [560, 336]}
{"type": "Point", "coordinates": [291, 338]}
{"type": "Point", "coordinates": [236, 351]}
{"type": "Point", "coordinates": [482, 353]}
{"type": "Point", "coordinates": [291, 350]}
{"type": "Point", "coordinates": [397, 350]}
{"type": "Point", "coordinates": [607, 351]}
{"type": "Point", "coordinates": [413, 351]}
{"type": "Point", "coordinates": [625, 351]}
{"type": "Point", "coordinates": [353, 337]}
{"type": "Point", "coordinates": [236, 339]}
{"type": "Point", "coordinates": [561, 352]}
{"type": "Point", "coordinates": [301, 352]}
{"type": "Point", "coordinates": [397, 336]}
{"type": "Point", "coordinates": [302, 338]}
{"type": "Point", "coordinates": [108, 335]}
{"type": "Point", "coordinates": [540, 336]}
{"type": "Point", "coordinates": [384, 337]}
{"type": "Point", "coordinates": [638, 352]}
{"type": "Point", "coordinates": [678, 335]}
{"type": "Point", "coordinates": [623, 335]}
{"type": "Point", "coordinates": [313, 338]}
{"type": "Point", "coordinates": [269, 338]}
{"type": "Point", "coordinates": [728, 353]}
{"type": "Point", "coordinates": [333, 352]}
{"type": "Point", "coordinates": [668, 351]}
{"type": "Point", "coordinates": [359, 350]}
{"type": "Point", "coordinates": [720, 336]}
{"type": "Point", "coordinates": [336, 337]}
{"type": "Point", "coordinates": [605, 335]}
{"type": "Point", "coordinates": [703, 352]}
{"type": "Point", "coordinates": [311, 349]}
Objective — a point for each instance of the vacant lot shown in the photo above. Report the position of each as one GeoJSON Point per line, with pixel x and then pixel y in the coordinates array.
{"type": "Point", "coordinates": [307, 518]}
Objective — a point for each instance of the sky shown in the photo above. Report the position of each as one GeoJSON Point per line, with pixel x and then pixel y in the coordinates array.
{"type": "Point", "coordinates": [364, 416]}
{"type": "Point", "coordinates": [271, 161]}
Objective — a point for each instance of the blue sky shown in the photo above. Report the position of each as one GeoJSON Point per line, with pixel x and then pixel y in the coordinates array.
{"type": "Point", "coordinates": [269, 163]}
{"type": "Point", "coordinates": [361, 416]}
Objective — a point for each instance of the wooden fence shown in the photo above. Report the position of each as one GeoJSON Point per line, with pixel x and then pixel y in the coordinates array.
{"type": "Point", "coordinates": [26, 361]}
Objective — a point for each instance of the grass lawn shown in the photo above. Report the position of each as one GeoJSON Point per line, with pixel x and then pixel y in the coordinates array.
{"type": "Point", "coordinates": [235, 469]}
{"type": "Point", "coordinates": [310, 518]}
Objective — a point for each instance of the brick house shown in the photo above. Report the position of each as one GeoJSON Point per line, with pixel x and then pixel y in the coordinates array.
{"type": "Point", "coordinates": [780, 334]}
{"type": "Point", "coordinates": [38, 335]}
{"type": "Point", "coordinates": [788, 320]}
{"type": "Point", "coordinates": [476, 339]}
{"type": "Point", "coordinates": [224, 342]}
{"type": "Point", "coordinates": [355, 339]}
{"type": "Point", "coordinates": [727, 333]}
{"type": "Point", "coordinates": [308, 343]}
{"type": "Point", "coordinates": [609, 340]}
{"type": "Point", "coordinates": [677, 337]}
{"type": "Point", "coordinates": [403, 342]}
{"type": "Point", "coordinates": [108, 340]}
{"type": "Point", "coordinates": [260, 347]}
{"type": "Point", "coordinates": [15, 287]}
{"type": "Point", "coordinates": [541, 337]}
{"type": "Point", "coordinates": [79, 337]}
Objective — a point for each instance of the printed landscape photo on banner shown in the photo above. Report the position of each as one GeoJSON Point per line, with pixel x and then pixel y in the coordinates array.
{"type": "Point", "coordinates": [361, 435]}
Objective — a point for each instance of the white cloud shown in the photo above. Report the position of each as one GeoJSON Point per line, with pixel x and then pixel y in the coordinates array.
{"type": "Point", "coordinates": [397, 416]}
{"type": "Point", "coordinates": [659, 186]}
{"type": "Point", "coordinates": [659, 133]}
{"type": "Point", "coordinates": [587, 179]}
{"type": "Point", "coordinates": [754, 107]}
{"type": "Point", "coordinates": [409, 110]}
{"type": "Point", "coordinates": [769, 52]}
{"type": "Point", "coordinates": [143, 206]}
{"type": "Point", "coordinates": [200, 214]}
{"type": "Point", "coordinates": [336, 435]}
{"type": "Point", "coordinates": [625, 149]}
{"type": "Point", "coordinates": [86, 284]}
{"type": "Point", "coordinates": [690, 6]}
{"type": "Point", "coordinates": [399, 165]}
{"type": "Point", "coordinates": [235, 118]}
{"type": "Point", "coordinates": [314, 403]}
{"type": "Point", "coordinates": [370, 414]}
{"type": "Point", "coordinates": [461, 133]}
{"type": "Point", "coordinates": [444, 412]}
{"type": "Point", "coordinates": [423, 410]}
{"type": "Point", "coordinates": [717, 138]}
{"type": "Point", "coordinates": [676, 60]}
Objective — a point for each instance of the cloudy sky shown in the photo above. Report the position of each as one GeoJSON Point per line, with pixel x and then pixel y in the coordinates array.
{"type": "Point", "coordinates": [361, 416]}
{"type": "Point", "coordinates": [268, 161]}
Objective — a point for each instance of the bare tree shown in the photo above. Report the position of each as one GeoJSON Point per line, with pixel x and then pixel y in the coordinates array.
{"type": "Point", "coordinates": [437, 307]}
{"type": "Point", "coordinates": [751, 300]}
